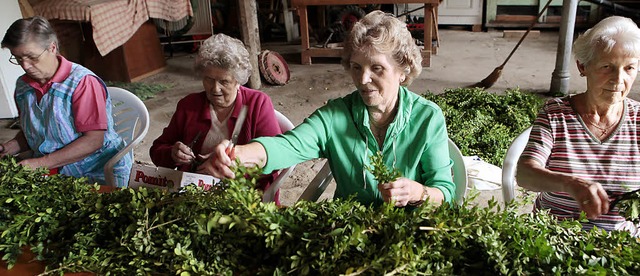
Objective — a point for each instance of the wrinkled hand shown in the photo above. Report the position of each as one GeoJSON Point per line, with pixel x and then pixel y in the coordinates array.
{"type": "Point", "coordinates": [219, 162]}
{"type": "Point", "coordinates": [181, 154]}
{"type": "Point", "coordinates": [590, 196]}
{"type": "Point", "coordinates": [9, 148]}
{"type": "Point", "coordinates": [32, 163]}
{"type": "Point", "coordinates": [402, 190]}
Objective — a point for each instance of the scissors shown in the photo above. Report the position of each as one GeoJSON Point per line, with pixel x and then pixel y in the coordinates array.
{"type": "Point", "coordinates": [195, 162]}
{"type": "Point", "coordinates": [624, 196]}
{"type": "Point", "coordinates": [236, 131]}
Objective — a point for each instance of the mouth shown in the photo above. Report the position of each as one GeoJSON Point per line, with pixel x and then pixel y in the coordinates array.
{"type": "Point", "coordinates": [367, 90]}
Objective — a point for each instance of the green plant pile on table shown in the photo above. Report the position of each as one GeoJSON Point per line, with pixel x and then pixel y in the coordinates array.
{"type": "Point", "coordinates": [144, 91]}
{"type": "Point", "coordinates": [230, 232]}
{"type": "Point", "coordinates": [484, 124]}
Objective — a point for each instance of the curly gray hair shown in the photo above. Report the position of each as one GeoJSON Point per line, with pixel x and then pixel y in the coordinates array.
{"type": "Point", "coordinates": [385, 34]}
{"type": "Point", "coordinates": [606, 34]}
{"type": "Point", "coordinates": [227, 53]}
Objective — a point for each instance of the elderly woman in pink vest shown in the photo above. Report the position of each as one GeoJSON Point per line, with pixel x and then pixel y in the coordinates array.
{"type": "Point", "coordinates": [65, 110]}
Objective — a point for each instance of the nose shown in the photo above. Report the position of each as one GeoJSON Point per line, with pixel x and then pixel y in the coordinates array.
{"type": "Point", "coordinates": [365, 77]}
{"type": "Point", "coordinates": [618, 76]}
{"type": "Point", "coordinates": [25, 64]}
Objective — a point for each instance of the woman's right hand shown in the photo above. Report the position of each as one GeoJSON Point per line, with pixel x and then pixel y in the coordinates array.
{"type": "Point", "coordinates": [10, 147]}
{"type": "Point", "coordinates": [181, 154]}
{"type": "Point", "coordinates": [219, 162]}
{"type": "Point", "coordinates": [590, 196]}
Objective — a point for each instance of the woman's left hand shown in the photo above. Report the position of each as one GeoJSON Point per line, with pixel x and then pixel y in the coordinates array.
{"type": "Point", "coordinates": [32, 163]}
{"type": "Point", "coordinates": [402, 190]}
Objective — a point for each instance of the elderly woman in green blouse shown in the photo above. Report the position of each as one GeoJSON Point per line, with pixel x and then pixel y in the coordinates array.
{"type": "Point", "coordinates": [381, 115]}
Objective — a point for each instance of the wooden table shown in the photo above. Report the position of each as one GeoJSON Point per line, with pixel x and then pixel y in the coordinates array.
{"type": "Point", "coordinates": [430, 9]}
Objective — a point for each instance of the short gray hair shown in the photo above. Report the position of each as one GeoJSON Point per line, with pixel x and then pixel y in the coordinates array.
{"type": "Point", "coordinates": [226, 53]}
{"type": "Point", "coordinates": [386, 34]}
{"type": "Point", "coordinates": [606, 34]}
{"type": "Point", "coordinates": [36, 29]}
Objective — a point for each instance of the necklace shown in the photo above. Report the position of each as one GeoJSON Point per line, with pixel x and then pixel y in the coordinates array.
{"type": "Point", "coordinates": [603, 130]}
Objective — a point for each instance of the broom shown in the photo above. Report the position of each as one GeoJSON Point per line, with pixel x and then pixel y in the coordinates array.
{"type": "Point", "coordinates": [493, 77]}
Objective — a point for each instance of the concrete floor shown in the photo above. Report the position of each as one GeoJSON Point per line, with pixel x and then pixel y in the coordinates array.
{"type": "Point", "coordinates": [464, 58]}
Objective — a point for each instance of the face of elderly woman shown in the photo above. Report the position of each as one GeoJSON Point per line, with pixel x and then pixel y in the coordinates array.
{"type": "Point", "coordinates": [610, 75]}
{"type": "Point", "coordinates": [221, 86]}
{"type": "Point", "coordinates": [376, 76]}
{"type": "Point", "coordinates": [39, 63]}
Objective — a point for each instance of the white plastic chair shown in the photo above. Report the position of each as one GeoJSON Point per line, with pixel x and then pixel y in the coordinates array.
{"type": "Point", "coordinates": [459, 171]}
{"type": "Point", "coordinates": [509, 165]}
{"type": "Point", "coordinates": [130, 121]}
{"type": "Point", "coordinates": [270, 194]}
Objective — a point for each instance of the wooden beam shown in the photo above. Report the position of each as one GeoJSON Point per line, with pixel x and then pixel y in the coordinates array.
{"type": "Point", "coordinates": [251, 38]}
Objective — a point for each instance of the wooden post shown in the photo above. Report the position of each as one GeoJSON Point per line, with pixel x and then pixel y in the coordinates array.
{"type": "Point", "coordinates": [251, 38]}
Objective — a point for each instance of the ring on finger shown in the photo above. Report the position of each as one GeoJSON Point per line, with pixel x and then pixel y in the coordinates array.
{"type": "Point", "coordinates": [585, 202]}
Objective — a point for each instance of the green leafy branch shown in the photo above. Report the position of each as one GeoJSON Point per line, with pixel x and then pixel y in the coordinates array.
{"type": "Point", "coordinates": [380, 171]}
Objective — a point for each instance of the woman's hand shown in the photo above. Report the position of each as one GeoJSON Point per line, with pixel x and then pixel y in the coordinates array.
{"type": "Point", "coordinates": [181, 154]}
{"type": "Point", "coordinates": [402, 190]}
{"type": "Point", "coordinates": [590, 196]}
{"type": "Point", "coordinates": [11, 147]}
{"type": "Point", "coordinates": [218, 163]}
{"type": "Point", "coordinates": [32, 163]}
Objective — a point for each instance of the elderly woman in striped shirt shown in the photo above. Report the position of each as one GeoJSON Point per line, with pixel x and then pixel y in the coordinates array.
{"type": "Point", "coordinates": [584, 148]}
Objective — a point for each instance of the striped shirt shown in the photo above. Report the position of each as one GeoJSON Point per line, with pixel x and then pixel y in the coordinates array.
{"type": "Point", "coordinates": [561, 142]}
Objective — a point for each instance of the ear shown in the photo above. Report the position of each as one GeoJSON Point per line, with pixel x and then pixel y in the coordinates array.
{"type": "Point", "coordinates": [581, 68]}
{"type": "Point", "coordinates": [53, 47]}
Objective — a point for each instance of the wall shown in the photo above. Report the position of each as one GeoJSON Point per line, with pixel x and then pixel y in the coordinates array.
{"type": "Point", "coordinates": [9, 13]}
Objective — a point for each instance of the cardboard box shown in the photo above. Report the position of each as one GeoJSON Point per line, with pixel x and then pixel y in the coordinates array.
{"type": "Point", "coordinates": [165, 178]}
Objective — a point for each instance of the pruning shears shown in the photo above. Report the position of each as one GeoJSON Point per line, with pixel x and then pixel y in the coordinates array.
{"type": "Point", "coordinates": [635, 194]}
{"type": "Point", "coordinates": [195, 162]}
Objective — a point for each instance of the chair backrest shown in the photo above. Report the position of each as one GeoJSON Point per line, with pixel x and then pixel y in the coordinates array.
{"type": "Point", "coordinates": [459, 171]}
{"type": "Point", "coordinates": [509, 165]}
{"type": "Point", "coordinates": [130, 121]}
{"type": "Point", "coordinates": [270, 194]}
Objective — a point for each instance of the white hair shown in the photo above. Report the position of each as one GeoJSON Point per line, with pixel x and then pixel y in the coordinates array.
{"type": "Point", "coordinates": [611, 31]}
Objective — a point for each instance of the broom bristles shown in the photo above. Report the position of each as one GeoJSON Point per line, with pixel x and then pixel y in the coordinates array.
{"type": "Point", "coordinates": [491, 79]}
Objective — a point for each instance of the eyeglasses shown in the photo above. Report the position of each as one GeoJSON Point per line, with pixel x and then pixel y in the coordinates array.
{"type": "Point", "coordinates": [19, 60]}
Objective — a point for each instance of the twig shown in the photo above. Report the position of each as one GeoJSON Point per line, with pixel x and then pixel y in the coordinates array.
{"type": "Point", "coordinates": [398, 269]}
{"type": "Point", "coordinates": [162, 224]}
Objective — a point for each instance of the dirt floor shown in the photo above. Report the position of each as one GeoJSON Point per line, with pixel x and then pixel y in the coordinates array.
{"type": "Point", "coordinates": [464, 58]}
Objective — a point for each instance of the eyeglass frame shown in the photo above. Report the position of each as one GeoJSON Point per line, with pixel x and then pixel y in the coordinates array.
{"type": "Point", "coordinates": [19, 60]}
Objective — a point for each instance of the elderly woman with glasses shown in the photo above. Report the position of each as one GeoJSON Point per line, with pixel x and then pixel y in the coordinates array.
{"type": "Point", "coordinates": [65, 110]}
{"type": "Point", "coordinates": [381, 115]}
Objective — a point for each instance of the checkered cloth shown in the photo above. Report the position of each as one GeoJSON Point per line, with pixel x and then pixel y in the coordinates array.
{"type": "Point", "coordinates": [113, 21]}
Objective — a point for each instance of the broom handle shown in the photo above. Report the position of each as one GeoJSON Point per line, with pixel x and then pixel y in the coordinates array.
{"type": "Point", "coordinates": [526, 33]}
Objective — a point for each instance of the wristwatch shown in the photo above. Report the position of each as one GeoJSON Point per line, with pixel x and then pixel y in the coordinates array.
{"type": "Point", "coordinates": [423, 197]}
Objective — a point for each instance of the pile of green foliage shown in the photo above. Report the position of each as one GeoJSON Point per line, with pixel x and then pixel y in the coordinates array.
{"type": "Point", "coordinates": [152, 232]}
{"type": "Point", "coordinates": [483, 123]}
{"type": "Point", "coordinates": [142, 90]}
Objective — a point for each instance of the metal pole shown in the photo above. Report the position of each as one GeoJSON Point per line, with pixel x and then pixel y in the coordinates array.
{"type": "Point", "coordinates": [560, 76]}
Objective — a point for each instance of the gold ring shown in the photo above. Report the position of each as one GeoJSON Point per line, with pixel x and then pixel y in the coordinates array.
{"type": "Point", "coordinates": [585, 202]}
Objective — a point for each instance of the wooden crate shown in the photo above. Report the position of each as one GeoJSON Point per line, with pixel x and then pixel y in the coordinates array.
{"type": "Point", "coordinates": [141, 56]}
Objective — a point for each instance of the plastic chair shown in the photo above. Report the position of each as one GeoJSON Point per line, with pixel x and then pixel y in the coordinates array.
{"type": "Point", "coordinates": [130, 121]}
{"type": "Point", "coordinates": [270, 194]}
{"type": "Point", "coordinates": [459, 171]}
{"type": "Point", "coordinates": [509, 165]}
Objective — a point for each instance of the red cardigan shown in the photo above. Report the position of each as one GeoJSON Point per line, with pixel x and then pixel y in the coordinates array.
{"type": "Point", "coordinates": [192, 116]}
